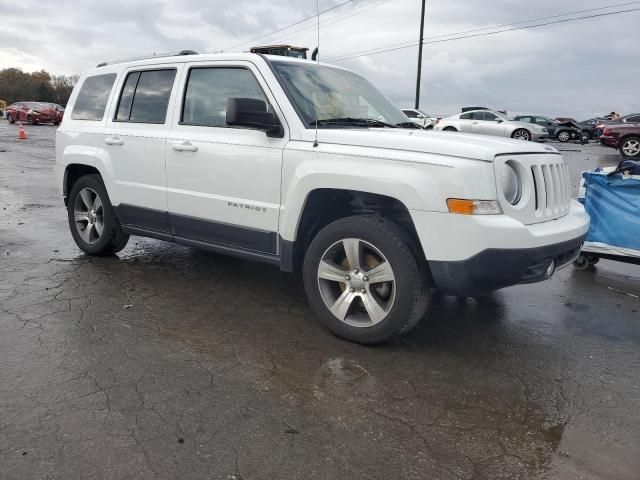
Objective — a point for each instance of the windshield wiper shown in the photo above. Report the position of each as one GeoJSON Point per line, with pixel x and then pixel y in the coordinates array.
{"type": "Point", "coordinates": [351, 122]}
{"type": "Point", "coordinates": [409, 125]}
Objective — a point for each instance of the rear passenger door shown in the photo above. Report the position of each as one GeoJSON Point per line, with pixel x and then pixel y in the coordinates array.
{"type": "Point", "coordinates": [134, 141]}
{"type": "Point", "coordinates": [223, 182]}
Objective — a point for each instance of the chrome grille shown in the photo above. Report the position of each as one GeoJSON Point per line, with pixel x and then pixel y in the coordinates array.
{"type": "Point", "coordinates": [552, 189]}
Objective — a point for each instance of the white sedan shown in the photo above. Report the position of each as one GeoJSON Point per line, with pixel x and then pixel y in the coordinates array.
{"type": "Point", "coordinates": [488, 122]}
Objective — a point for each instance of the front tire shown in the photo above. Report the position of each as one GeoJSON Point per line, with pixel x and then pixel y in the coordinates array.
{"type": "Point", "coordinates": [449, 129]}
{"type": "Point", "coordinates": [630, 147]}
{"type": "Point", "coordinates": [29, 120]}
{"type": "Point", "coordinates": [363, 280]}
{"type": "Point", "coordinates": [10, 119]}
{"type": "Point", "coordinates": [92, 220]}
{"type": "Point", "coordinates": [521, 134]}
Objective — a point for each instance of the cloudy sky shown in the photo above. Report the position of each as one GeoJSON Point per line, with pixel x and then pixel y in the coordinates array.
{"type": "Point", "coordinates": [579, 68]}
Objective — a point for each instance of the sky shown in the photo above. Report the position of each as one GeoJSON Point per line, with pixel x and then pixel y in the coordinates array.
{"type": "Point", "coordinates": [580, 69]}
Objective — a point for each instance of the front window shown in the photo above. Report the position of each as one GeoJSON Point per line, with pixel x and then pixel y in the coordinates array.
{"type": "Point", "coordinates": [341, 96]}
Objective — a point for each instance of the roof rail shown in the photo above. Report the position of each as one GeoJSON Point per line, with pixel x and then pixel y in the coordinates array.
{"type": "Point", "coordinates": [159, 55]}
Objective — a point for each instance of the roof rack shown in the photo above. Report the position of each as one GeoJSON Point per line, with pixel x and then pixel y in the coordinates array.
{"type": "Point", "coordinates": [159, 55]}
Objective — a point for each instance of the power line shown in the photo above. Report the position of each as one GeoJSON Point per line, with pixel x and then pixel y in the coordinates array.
{"type": "Point", "coordinates": [289, 26]}
{"type": "Point", "coordinates": [335, 19]}
{"type": "Point", "coordinates": [403, 45]}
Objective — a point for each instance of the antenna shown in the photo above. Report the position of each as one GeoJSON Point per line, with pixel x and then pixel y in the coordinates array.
{"type": "Point", "coordinates": [317, 52]}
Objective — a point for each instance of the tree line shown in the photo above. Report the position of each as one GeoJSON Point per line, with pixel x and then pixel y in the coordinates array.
{"type": "Point", "coordinates": [19, 86]}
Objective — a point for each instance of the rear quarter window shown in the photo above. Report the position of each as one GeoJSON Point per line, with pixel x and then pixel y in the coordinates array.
{"type": "Point", "coordinates": [93, 96]}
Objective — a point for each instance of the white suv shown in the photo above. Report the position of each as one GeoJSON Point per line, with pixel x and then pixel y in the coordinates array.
{"type": "Point", "coordinates": [220, 152]}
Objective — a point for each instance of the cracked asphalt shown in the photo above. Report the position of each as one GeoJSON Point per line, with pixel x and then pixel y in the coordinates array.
{"type": "Point", "coordinates": [168, 362]}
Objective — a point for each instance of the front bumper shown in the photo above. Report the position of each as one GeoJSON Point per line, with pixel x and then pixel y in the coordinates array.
{"type": "Point", "coordinates": [493, 269]}
{"type": "Point", "coordinates": [537, 137]}
{"type": "Point", "coordinates": [471, 254]}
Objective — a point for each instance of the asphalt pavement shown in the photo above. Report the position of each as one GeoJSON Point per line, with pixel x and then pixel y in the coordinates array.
{"type": "Point", "coordinates": [173, 363]}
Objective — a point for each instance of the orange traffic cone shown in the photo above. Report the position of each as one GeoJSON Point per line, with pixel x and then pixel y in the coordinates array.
{"type": "Point", "coordinates": [22, 135]}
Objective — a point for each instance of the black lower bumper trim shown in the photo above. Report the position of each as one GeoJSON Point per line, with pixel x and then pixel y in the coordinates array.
{"type": "Point", "coordinates": [494, 268]}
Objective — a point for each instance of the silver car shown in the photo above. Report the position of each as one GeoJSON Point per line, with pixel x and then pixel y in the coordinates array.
{"type": "Point", "coordinates": [488, 122]}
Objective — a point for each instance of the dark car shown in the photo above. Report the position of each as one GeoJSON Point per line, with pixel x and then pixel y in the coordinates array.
{"type": "Point", "coordinates": [562, 132]}
{"type": "Point", "coordinates": [34, 113]}
{"type": "Point", "coordinates": [591, 126]}
{"type": "Point", "coordinates": [625, 137]}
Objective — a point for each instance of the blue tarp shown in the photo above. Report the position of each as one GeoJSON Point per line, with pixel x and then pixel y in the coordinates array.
{"type": "Point", "coordinates": [613, 203]}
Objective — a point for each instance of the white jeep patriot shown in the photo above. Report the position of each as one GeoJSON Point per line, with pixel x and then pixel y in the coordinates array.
{"type": "Point", "coordinates": [312, 169]}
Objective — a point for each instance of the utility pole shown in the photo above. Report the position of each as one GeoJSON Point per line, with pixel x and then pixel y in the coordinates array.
{"type": "Point", "coordinates": [420, 56]}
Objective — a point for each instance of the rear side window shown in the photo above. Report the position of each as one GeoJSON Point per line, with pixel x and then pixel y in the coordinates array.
{"type": "Point", "coordinates": [93, 97]}
{"type": "Point", "coordinates": [205, 99]}
{"type": "Point", "coordinates": [145, 96]}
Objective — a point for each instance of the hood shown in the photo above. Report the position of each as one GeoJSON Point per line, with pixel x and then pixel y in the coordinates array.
{"type": "Point", "coordinates": [621, 127]}
{"type": "Point", "coordinates": [464, 145]}
{"type": "Point", "coordinates": [45, 111]}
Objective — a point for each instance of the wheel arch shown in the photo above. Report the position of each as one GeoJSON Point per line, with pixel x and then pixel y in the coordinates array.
{"type": "Point", "coordinates": [323, 206]}
{"type": "Point", "coordinates": [72, 173]}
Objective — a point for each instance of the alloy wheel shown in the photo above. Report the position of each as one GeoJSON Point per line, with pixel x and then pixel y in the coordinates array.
{"type": "Point", "coordinates": [631, 148]}
{"type": "Point", "coordinates": [88, 214]}
{"type": "Point", "coordinates": [357, 283]}
{"type": "Point", "coordinates": [564, 136]}
{"type": "Point", "coordinates": [521, 134]}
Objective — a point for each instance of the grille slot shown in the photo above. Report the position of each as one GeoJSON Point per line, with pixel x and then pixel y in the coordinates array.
{"type": "Point", "coordinates": [552, 189]}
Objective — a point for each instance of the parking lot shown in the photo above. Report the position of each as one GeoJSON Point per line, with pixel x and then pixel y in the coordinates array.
{"type": "Point", "coordinates": [170, 362]}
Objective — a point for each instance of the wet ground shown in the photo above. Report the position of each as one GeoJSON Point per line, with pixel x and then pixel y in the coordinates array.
{"type": "Point", "coordinates": [168, 362]}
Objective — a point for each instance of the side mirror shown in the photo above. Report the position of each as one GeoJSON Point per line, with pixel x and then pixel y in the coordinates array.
{"type": "Point", "coordinates": [252, 113]}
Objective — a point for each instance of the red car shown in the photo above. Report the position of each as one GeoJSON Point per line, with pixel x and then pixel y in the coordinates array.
{"type": "Point", "coordinates": [34, 113]}
{"type": "Point", "coordinates": [625, 137]}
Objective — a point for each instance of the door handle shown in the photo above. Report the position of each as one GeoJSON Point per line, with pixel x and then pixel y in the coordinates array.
{"type": "Point", "coordinates": [185, 147]}
{"type": "Point", "coordinates": [474, 123]}
{"type": "Point", "coordinates": [114, 141]}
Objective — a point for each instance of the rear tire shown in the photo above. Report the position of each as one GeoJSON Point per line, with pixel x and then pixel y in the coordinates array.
{"type": "Point", "coordinates": [563, 136]}
{"type": "Point", "coordinates": [630, 147]}
{"type": "Point", "coordinates": [29, 120]}
{"type": "Point", "coordinates": [92, 219]}
{"type": "Point", "coordinates": [521, 134]}
{"type": "Point", "coordinates": [449, 129]}
{"type": "Point", "coordinates": [363, 280]}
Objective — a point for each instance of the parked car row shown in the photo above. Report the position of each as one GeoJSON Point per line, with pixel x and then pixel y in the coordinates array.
{"type": "Point", "coordinates": [488, 122]}
{"type": "Point", "coordinates": [34, 113]}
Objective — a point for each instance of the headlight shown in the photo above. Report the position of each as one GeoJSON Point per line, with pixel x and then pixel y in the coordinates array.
{"type": "Point", "coordinates": [511, 185]}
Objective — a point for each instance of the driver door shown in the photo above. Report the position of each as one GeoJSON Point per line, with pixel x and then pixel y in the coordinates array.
{"type": "Point", "coordinates": [487, 123]}
{"type": "Point", "coordinates": [223, 182]}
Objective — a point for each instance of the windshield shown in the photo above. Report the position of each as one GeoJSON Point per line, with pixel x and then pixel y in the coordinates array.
{"type": "Point", "coordinates": [342, 95]}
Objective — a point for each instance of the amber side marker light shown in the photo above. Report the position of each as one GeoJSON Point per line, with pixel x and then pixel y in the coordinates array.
{"type": "Point", "coordinates": [462, 206]}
